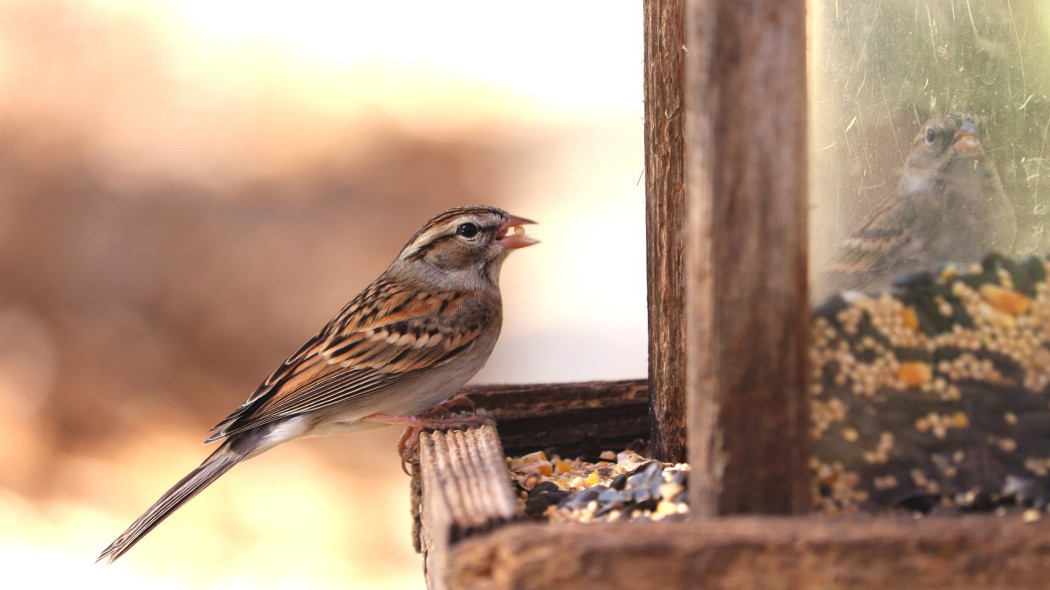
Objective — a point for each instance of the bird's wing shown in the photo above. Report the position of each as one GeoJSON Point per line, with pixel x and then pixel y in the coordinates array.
{"type": "Point", "coordinates": [884, 239]}
{"type": "Point", "coordinates": [380, 339]}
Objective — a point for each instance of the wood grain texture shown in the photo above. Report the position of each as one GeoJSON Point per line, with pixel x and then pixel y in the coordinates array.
{"type": "Point", "coordinates": [746, 268]}
{"type": "Point", "coordinates": [465, 489]}
{"type": "Point", "coordinates": [664, 223]}
{"type": "Point", "coordinates": [980, 553]}
{"type": "Point", "coordinates": [574, 418]}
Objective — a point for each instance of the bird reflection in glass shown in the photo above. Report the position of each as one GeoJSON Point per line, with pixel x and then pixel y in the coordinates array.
{"type": "Point", "coordinates": [948, 207]}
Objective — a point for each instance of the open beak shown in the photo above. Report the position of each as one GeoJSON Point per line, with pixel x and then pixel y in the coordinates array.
{"type": "Point", "coordinates": [966, 142]}
{"type": "Point", "coordinates": [512, 235]}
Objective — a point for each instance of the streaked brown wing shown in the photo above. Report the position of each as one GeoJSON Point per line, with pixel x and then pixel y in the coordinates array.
{"type": "Point", "coordinates": [360, 352]}
{"type": "Point", "coordinates": [875, 247]}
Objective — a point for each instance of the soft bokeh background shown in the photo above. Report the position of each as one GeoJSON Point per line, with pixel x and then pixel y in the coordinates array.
{"type": "Point", "coordinates": [190, 188]}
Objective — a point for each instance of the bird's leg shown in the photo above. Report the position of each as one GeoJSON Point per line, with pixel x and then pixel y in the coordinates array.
{"type": "Point", "coordinates": [459, 399]}
{"type": "Point", "coordinates": [415, 425]}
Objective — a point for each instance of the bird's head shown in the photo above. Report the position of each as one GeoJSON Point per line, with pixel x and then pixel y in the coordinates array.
{"type": "Point", "coordinates": [944, 138]}
{"type": "Point", "coordinates": [463, 247]}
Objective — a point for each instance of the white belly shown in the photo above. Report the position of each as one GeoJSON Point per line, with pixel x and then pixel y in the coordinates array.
{"type": "Point", "coordinates": [408, 398]}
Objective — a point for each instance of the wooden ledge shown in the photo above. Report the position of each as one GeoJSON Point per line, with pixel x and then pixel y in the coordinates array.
{"type": "Point", "coordinates": [566, 415]}
{"type": "Point", "coordinates": [753, 552]}
{"type": "Point", "coordinates": [464, 489]}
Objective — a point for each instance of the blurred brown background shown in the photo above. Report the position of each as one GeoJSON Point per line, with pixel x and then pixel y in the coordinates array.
{"type": "Point", "coordinates": [189, 190]}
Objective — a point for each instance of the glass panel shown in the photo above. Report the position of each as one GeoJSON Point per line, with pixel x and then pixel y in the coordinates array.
{"type": "Point", "coordinates": [929, 127]}
{"type": "Point", "coordinates": [929, 136]}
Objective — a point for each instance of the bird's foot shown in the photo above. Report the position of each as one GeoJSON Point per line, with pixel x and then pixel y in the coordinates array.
{"type": "Point", "coordinates": [415, 425]}
{"type": "Point", "coordinates": [458, 400]}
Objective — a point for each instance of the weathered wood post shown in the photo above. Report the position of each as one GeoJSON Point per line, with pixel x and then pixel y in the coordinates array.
{"type": "Point", "coordinates": [664, 224]}
{"type": "Point", "coordinates": [746, 309]}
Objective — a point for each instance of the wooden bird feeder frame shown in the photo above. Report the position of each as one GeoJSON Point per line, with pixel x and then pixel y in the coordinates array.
{"type": "Point", "coordinates": [727, 208]}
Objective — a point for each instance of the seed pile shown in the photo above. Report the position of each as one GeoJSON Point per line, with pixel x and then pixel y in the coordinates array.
{"type": "Point", "coordinates": [935, 396]}
{"type": "Point", "coordinates": [621, 486]}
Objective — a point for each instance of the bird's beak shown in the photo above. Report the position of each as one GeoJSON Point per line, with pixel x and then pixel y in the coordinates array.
{"type": "Point", "coordinates": [966, 142]}
{"type": "Point", "coordinates": [512, 235]}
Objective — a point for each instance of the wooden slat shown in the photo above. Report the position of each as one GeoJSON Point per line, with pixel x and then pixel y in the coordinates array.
{"type": "Point", "coordinates": [664, 223]}
{"type": "Point", "coordinates": [980, 553]}
{"type": "Point", "coordinates": [567, 416]}
{"type": "Point", "coordinates": [747, 311]}
{"type": "Point", "coordinates": [465, 489]}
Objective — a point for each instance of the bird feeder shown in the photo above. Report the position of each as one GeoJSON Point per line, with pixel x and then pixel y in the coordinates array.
{"type": "Point", "coordinates": [727, 218]}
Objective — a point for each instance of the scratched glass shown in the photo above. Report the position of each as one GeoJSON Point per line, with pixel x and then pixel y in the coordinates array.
{"type": "Point", "coordinates": [929, 127]}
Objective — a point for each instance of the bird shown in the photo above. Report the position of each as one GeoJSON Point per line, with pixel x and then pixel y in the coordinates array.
{"type": "Point", "coordinates": [407, 343]}
{"type": "Point", "coordinates": [949, 206]}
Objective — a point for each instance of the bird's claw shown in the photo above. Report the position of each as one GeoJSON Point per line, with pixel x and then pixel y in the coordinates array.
{"type": "Point", "coordinates": [415, 425]}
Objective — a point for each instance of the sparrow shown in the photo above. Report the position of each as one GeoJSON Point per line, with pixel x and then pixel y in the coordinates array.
{"type": "Point", "coordinates": [949, 206]}
{"type": "Point", "coordinates": [404, 345]}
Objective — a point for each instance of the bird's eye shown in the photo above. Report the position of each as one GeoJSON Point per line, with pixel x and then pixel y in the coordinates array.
{"type": "Point", "coordinates": [931, 135]}
{"type": "Point", "coordinates": [467, 230]}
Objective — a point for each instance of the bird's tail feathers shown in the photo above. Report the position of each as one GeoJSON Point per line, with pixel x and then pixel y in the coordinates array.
{"type": "Point", "coordinates": [214, 466]}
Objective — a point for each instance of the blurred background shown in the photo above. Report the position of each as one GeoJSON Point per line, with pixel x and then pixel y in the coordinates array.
{"type": "Point", "coordinates": [191, 188]}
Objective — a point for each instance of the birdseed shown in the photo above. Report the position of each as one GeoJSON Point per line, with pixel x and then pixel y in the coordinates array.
{"type": "Point", "coordinates": [935, 396]}
{"type": "Point", "coordinates": [621, 486]}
